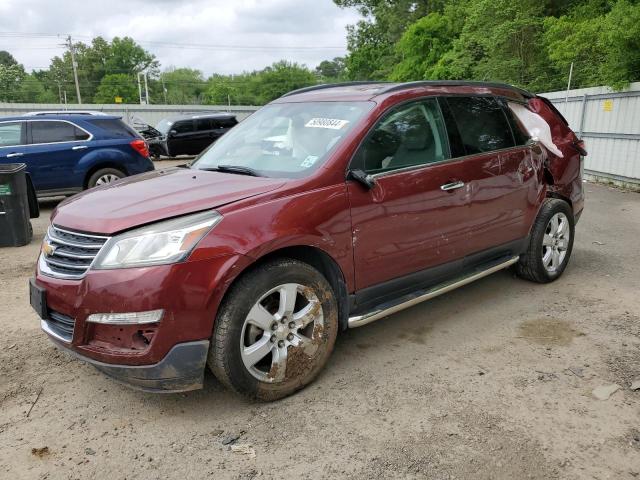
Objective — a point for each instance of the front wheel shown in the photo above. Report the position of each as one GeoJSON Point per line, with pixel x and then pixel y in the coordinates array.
{"type": "Point", "coordinates": [275, 330]}
{"type": "Point", "coordinates": [550, 244]}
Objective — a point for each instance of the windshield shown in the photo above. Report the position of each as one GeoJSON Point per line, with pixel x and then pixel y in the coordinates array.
{"type": "Point", "coordinates": [164, 125]}
{"type": "Point", "coordinates": [285, 140]}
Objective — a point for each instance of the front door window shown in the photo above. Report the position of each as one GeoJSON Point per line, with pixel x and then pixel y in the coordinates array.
{"type": "Point", "coordinates": [410, 135]}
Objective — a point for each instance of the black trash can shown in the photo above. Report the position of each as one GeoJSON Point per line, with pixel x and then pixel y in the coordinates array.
{"type": "Point", "coordinates": [15, 226]}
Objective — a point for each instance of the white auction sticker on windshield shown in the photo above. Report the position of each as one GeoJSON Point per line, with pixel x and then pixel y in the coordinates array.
{"type": "Point", "coordinates": [332, 123]}
{"type": "Point", "coordinates": [309, 161]}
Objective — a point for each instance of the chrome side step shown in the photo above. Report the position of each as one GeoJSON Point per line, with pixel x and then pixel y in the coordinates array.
{"type": "Point", "coordinates": [422, 295]}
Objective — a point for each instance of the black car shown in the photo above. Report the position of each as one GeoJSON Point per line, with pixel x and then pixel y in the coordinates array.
{"type": "Point", "coordinates": [191, 134]}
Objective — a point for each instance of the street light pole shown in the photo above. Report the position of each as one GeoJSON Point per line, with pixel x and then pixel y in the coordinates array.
{"type": "Point", "coordinates": [146, 89]}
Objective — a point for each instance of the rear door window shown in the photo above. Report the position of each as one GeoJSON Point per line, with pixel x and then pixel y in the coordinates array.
{"type": "Point", "coordinates": [183, 127]}
{"type": "Point", "coordinates": [203, 124]}
{"type": "Point", "coordinates": [56, 132]}
{"type": "Point", "coordinates": [11, 134]}
{"type": "Point", "coordinates": [115, 128]}
{"type": "Point", "coordinates": [482, 124]}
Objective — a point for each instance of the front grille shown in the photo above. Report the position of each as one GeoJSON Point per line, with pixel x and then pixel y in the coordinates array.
{"type": "Point", "coordinates": [61, 325]}
{"type": "Point", "coordinates": [68, 254]}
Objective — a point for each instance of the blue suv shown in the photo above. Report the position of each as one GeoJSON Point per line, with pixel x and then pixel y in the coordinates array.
{"type": "Point", "coordinates": [66, 154]}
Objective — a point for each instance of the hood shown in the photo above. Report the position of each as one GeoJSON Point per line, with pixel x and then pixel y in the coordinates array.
{"type": "Point", "coordinates": [155, 196]}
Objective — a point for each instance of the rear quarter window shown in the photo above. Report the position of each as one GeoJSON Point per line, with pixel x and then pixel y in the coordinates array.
{"type": "Point", "coordinates": [115, 128]}
{"type": "Point", "coordinates": [520, 134]}
{"type": "Point", "coordinates": [225, 122]}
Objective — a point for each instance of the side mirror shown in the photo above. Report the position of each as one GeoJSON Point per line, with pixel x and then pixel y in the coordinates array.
{"type": "Point", "coordinates": [362, 177]}
{"type": "Point", "coordinates": [173, 133]}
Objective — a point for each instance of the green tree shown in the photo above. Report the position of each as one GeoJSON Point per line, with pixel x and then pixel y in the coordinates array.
{"type": "Point", "coordinates": [32, 90]}
{"type": "Point", "coordinates": [501, 41]}
{"type": "Point", "coordinates": [258, 87]}
{"type": "Point", "coordinates": [7, 59]}
{"type": "Point", "coordinates": [11, 78]}
{"type": "Point", "coordinates": [421, 48]}
{"type": "Point", "coordinates": [331, 70]}
{"type": "Point", "coordinates": [603, 44]}
{"type": "Point", "coordinates": [95, 61]}
{"type": "Point", "coordinates": [371, 41]}
{"type": "Point", "coordinates": [221, 91]}
{"type": "Point", "coordinates": [117, 85]}
{"type": "Point", "coordinates": [183, 85]}
{"type": "Point", "coordinates": [278, 79]}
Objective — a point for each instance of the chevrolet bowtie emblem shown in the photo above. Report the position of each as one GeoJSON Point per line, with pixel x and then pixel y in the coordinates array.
{"type": "Point", "coordinates": [47, 248]}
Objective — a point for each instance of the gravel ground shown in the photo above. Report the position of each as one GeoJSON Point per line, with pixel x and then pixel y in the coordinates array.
{"type": "Point", "coordinates": [494, 380]}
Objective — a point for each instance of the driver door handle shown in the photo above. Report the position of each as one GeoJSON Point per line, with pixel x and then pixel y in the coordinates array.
{"type": "Point", "coordinates": [452, 186]}
{"type": "Point", "coordinates": [12, 155]}
{"type": "Point", "coordinates": [79, 147]}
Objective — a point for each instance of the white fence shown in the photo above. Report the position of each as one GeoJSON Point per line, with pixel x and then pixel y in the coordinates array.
{"type": "Point", "coordinates": [150, 114]}
{"type": "Point", "coordinates": [609, 122]}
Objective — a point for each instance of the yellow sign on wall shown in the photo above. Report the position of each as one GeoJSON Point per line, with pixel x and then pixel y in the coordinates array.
{"type": "Point", "coordinates": [607, 105]}
{"type": "Point", "coordinates": [118, 99]}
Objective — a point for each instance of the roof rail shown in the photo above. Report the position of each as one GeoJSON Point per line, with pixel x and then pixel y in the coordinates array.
{"type": "Point", "coordinates": [455, 83]}
{"type": "Point", "coordinates": [330, 85]}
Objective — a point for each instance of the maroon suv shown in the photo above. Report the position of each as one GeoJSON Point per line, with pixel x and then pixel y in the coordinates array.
{"type": "Point", "coordinates": [329, 208]}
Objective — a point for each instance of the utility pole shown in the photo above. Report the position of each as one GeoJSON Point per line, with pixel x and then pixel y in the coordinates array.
{"type": "Point", "coordinates": [164, 90]}
{"type": "Point", "coordinates": [566, 97]}
{"type": "Point", "coordinates": [75, 66]}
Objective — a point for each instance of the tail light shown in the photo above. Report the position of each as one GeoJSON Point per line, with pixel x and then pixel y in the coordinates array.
{"type": "Point", "coordinates": [579, 145]}
{"type": "Point", "coordinates": [141, 147]}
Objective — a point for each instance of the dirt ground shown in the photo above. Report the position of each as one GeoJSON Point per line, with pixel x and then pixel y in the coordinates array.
{"type": "Point", "coordinates": [494, 380]}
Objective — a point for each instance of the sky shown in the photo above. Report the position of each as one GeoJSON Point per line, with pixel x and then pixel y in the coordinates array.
{"type": "Point", "coordinates": [214, 36]}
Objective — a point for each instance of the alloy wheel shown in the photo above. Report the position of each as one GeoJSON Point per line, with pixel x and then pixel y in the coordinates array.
{"type": "Point", "coordinates": [107, 179]}
{"type": "Point", "coordinates": [285, 321]}
{"type": "Point", "coordinates": [555, 242]}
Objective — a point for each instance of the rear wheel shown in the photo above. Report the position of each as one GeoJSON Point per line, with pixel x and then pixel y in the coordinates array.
{"type": "Point", "coordinates": [105, 176]}
{"type": "Point", "coordinates": [550, 244]}
{"type": "Point", "coordinates": [275, 330]}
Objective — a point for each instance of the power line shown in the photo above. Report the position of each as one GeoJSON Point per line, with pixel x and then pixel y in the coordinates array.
{"type": "Point", "coordinates": [192, 46]}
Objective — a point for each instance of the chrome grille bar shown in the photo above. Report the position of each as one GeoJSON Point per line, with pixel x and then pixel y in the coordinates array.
{"type": "Point", "coordinates": [68, 254]}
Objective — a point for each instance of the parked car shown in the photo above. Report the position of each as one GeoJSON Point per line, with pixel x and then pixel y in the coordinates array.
{"type": "Point", "coordinates": [191, 134]}
{"type": "Point", "coordinates": [66, 154]}
{"type": "Point", "coordinates": [65, 112]}
{"type": "Point", "coordinates": [156, 141]}
{"type": "Point", "coordinates": [375, 197]}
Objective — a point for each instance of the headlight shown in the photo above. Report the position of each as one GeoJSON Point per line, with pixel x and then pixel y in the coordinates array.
{"type": "Point", "coordinates": [157, 244]}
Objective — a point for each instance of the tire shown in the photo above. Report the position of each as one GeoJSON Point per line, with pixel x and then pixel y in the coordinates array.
{"type": "Point", "coordinates": [550, 244]}
{"type": "Point", "coordinates": [101, 176]}
{"type": "Point", "coordinates": [296, 354]}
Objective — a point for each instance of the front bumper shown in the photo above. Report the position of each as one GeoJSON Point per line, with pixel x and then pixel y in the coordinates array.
{"type": "Point", "coordinates": [181, 370]}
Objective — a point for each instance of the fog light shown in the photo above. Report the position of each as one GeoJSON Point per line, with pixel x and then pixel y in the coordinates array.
{"type": "Point", "coordinates": [128, 318]}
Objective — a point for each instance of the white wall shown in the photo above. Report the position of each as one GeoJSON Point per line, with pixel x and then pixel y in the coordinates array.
{"type": "Point", "coordinates": [151, 114]}
{"type": "Point", "coordinates": [609, 122]}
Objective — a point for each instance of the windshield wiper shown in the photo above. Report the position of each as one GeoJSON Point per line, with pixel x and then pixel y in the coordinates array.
{"type": "Point", "coordinates": [240, 170]}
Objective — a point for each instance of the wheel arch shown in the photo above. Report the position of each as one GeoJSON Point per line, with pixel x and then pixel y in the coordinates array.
{"type": "Point", "coordinates": [317, 258]}
{"type": "Point", "coordinates": [557, 195]}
